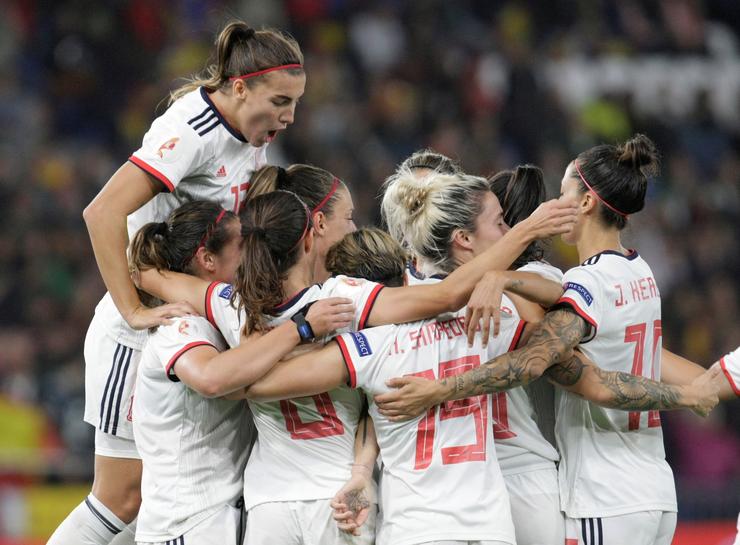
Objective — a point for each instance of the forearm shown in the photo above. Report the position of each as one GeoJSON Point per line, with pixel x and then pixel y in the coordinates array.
{"type": "Point", "coordinates": [173, 287]}
{"type": "Point", "coordinates": [533, 287]}
{"type": "Point", "coordinates": [677, 370]}
{"type": "Point", "coordinates": [366, 446]}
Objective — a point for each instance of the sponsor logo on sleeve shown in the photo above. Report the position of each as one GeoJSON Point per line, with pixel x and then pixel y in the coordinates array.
{"type": "Point", "coordinates": [580, 290]}
{"type": "Point", "coordinates": [167, 146]}
{"type": "Point", "coordinates": [225, 293]}
{"type": "Point", "coordinates": [363, 346]}
{"type": "Point", "coordinates": [183, 328]}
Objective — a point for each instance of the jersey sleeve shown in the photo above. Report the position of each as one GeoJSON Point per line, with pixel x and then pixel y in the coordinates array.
{"type": "Point", "coordinates": [582, 294]}
{"type": "Point", "coordinates": [362, 352]}
{"type": "Point", "coordinates": [171, 150]}
{"type": "Point", "coordinates": [363, 294]}
{"type": "Point", "coordinates": [545, 270]}
{"type": "Point", "coordinates": [221, 313]}
{"type": "Point", "coordinates": [184, 334]}
{"type": "Point", "coordinates": [730, 365]}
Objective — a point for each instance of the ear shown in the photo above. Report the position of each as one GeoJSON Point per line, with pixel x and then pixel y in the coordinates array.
{"type": "Point", "coordinates": [206, 259]}
{"type": "Point", "coordinates": [239, 89]}
{"type": "Point", "coordinates": [308, 241]}
{"type": "Point", "coordinates": [587, 204]}
{"type": "Point", "coordinates": [463, 239]}
{"type": "Point", "coordinates": [319, 223]}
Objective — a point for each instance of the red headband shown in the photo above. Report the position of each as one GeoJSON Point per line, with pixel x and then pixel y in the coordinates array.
{"type": "Point", "coordinates": [334, 186]}
{"type": "Point", "coordinates": [207, 235]}
{"type": "Point", "coordinates": [592, 190]}
{"type": "Point", "coordinates": [305, 229]}
{"type": "Point", "coordinates": [265, 71]}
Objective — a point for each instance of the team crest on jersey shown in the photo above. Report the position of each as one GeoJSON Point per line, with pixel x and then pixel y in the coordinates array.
{"type": "Point", "coordinates": [353, 281]}
{"type": "Point", "coordinates": [167, 146]}
{"type": "Point", "coordinates": [183, 328]}
{"type": "Point", "coordinates": [362, 344]}
{"type": "Point", "coordinates": [226, 292]}
{"type": "Point", "coordinates": [580, 290]}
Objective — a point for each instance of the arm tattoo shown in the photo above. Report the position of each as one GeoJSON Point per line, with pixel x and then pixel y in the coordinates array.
{"type": "Point", "coordinates": [356, 500]}
{"type": "Point", "coordinates": [634, 393]}
{"type": "Point", "coordinates": [567, 372]}
{"type": "Point", "coordinates": [552, 342]}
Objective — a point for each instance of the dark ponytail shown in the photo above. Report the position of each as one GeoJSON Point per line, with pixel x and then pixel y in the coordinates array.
{"type": "Point", "coordinates": [520, 192]}
{"type": "Point", "coordinates": [242, 50]}
{"type": "Point", "coordinates": [618, 175]}
{"type": "Point", "coordinates": [273, 227]}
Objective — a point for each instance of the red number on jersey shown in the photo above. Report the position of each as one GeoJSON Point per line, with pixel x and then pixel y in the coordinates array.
{"type": "Point", "coordinates": [329, 425]}
{"type": "Point", "coordinates": [636, 334]}
{"type": "Point", "coordinates": [236, 190]}
{"type": "Point", "coordinates": [501, 428]}
{"type": "Point", "coordinates": [477, 406]}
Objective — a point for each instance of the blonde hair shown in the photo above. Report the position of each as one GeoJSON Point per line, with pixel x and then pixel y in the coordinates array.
{"type": "Point", "coordinates": [242, 50]}
{"type": "Point", "coordinates": [369, 253]}
{"type": "Point", "coordinates": [423, 214]}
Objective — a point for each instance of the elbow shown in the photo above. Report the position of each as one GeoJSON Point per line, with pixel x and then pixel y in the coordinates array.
{"type": "Point", "coordinates": [210, 387]}
{"type": "Point", "coordinates": [93, 213]}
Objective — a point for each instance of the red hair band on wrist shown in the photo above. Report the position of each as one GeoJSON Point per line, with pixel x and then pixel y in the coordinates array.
{"type": "Point", "coordinates": [332, 190]}
{"type": "Point", "coordinates": [266, 71]}
{"type": "Point", "coordinates": [592, 190]}
{"type": "Point", "coordinates": [207, 235]}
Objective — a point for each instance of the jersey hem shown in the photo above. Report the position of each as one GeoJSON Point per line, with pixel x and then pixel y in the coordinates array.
{"type": "Point", "coordinates": [209, 307]}
{"type": "Point", "coordinates": [153, 172]}
{"type": "Point", "coordinates": [419, 539]}
{"type": "Point", "coordinates": [727, 373]}
{"type": "Point", "coordinates": [623, 510]}
{"type": "Point", "coordinates": [528, 469]}
{"type": "Point", "coordinates": [170, 364]}
{"type": "Point", "coordinates": [347, 362]}
{"type": "Point", "coordinates": [369, 304]}
{"type": "Point", "coordinates": [181, 529]}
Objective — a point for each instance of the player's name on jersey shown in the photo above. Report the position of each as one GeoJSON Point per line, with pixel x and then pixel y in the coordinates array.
{"type": "Point", "coordinates": [430, 333]}
{"type": "Point", "coordinates": [636, 291]}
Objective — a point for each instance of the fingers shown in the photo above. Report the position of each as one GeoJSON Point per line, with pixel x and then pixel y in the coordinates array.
{"type": "Point", "coordinates": [496, 320]}
{"type": "Point", "coordinates": [472, 326]}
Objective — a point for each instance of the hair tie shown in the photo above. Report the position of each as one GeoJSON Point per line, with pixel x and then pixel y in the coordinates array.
{"type": "Point", "coordinates": [247, 33]}
{"type": "Point", "coordinates": [332, 190]}
{"type": "Point", "coordinates": [259, 232]}
{"type": "Point", "coordinates": [592, 190]}
{"type": "Point", "coordinates": [209, 232]}
{"type": "Point", "coordinates": [282, 177]}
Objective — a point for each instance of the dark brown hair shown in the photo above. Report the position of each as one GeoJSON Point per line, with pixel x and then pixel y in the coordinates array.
{"type": "Point", "coordinates": [369, 253]}
{"type": "Point", "coordinates": [242, 50]}
{"type": "Point", "coordinates": [313, 185]}
{"type": "Point", "coordinates": [520, 192]}
{"type": "Point", "coordinates": [618, 175]}
{"type": "Point", "coordinates": [273, 226]}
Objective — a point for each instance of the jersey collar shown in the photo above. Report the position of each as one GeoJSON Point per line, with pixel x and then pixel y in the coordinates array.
{"type": "Point", "coordinates": [236, 134]}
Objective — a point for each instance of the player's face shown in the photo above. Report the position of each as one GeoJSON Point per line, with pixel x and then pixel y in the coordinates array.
{"type": "Point", "coordinates": [227, 260]}
{"type": "Point", "coordinates": [489, 225]}
{"type": "Point", "coordinates": [269, 107]}
{"type": "Point", "coordinates": [570, 192]}
{"type": "Point", "coordinates": [339, 222]}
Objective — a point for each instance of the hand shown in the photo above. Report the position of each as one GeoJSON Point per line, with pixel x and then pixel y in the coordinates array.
{"type": "Point", "coordinates": [144, 317]}
{"type": "Point", "coordinates": [705, 388]}
{"type": "Point", "coordinates": [353, 502]}
{"type": "Point", "coordinates": [328, 315]}
{"type": "Point", "coordinates": [412, 396]}
{"type": "Point", "coordinates": [553, 217]}
{"type": "Point", "coordinates": [485, 305]}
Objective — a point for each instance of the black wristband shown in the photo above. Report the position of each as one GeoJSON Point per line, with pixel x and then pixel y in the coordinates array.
{"type": "Point", "coordinates": [305, 332]}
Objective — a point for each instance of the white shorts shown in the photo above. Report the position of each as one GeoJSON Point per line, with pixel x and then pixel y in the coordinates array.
{"type": "Point", "coordinates": [535, 507]}
{"type": "Point", "coordinates": [110, 374]}
{"type": "Point", "coordinates": [224, 527]}
{"type": "Point", "coordinates": [115, 447]}
{"type": "Point", "coordinates": [466, 543]}
{"type": "Point", "coordinates": [641, 528]}
{"type": "Point", "coordinates": [302, 523]}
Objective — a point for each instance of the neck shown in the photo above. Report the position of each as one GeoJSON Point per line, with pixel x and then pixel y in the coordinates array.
{"type": "Point", "coordinates": [320, 273]}
{"type": "Point", "coordinates": [224, 106]}
{"type": "Point", "coordinates": [300, 276]}
{"type": "Point", "coordinates": [596, 239]}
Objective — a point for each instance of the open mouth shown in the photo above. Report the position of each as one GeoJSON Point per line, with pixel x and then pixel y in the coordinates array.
{"type": "Point", "coordinates": [271, 135]}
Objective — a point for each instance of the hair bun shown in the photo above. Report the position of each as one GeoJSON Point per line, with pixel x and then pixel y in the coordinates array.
{"type": "Point", "coordinates": [639, 153]}
{"type": "Point", "coordinates": [243, 32]}
{"type": "Point", "coordinates": [412, 196]}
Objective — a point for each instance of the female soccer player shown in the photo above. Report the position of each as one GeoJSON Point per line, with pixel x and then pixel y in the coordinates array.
{"type": "Point", "coordinates": [615, 482]}
{"type": "Point", "coordinates": [205, 146]}
{"type": "Point", "coordinates": [276, 227]}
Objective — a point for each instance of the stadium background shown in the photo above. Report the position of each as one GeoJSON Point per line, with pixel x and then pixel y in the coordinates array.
{"type": "Point", "coordinates": [490, 83]}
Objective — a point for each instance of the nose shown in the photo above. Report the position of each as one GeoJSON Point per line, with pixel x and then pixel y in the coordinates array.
{"type": "Point", "coordinates": [287, 116]}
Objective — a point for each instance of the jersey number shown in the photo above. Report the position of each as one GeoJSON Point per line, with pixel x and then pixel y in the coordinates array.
{"type": "Point", "coordinates": [326, 427]}
{"type": "Point", "coordinates": [636, 334]}
{"type": "Point", "coordinates": [237, 190]}
{"type": "Point", "coordinates": [476, 406]}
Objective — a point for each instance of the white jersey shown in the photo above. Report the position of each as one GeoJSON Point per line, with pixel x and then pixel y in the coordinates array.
{"type": "Point", "coordinates": [440, 477]}
{"type": "Point", "coordinates": [196, 155]}
{"type": "Point", "coordinates": [305, 446]}
{"type": "Point", "coordinates": [613, 462]}
{"type": "Point", "coordinates": [730, 365]}
{"type": "Point", "coordinates": [193, 449]}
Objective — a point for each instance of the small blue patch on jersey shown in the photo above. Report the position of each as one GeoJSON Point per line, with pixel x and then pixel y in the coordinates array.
{"type": "Point", "coordinates": [363, 347]}
{"type": "Point", "coordinates": [226, 292]}
{"type": "Point", "coordinates": [580, 290]}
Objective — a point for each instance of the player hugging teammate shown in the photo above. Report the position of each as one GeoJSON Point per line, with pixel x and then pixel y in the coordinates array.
{"type": "Point", "coordinates": [335, 352]}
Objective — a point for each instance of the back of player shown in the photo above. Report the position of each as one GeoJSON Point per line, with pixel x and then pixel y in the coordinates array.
{"type": "Point", "coordinates": [440, 480]}
{"type": "Point", "coordinates": [613, 462]}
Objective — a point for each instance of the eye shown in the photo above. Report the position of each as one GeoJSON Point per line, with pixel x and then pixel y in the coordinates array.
{"type": "Point", "coordinates": [280, 102]}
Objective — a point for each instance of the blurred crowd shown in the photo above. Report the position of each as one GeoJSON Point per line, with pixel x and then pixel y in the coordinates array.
{"type": "Point", "coordinates": [492, 84]}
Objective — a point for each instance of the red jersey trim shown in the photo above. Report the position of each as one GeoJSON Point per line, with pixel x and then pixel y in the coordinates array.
{"type": "Point", "coordinates": [726, 371]}
{"type": "Point", "coordinates": [369, 306]}
{"type": "Point", "coordinates": [517, 335]}
{"type": "Point", "coordinates": [173, 359]}
{"type": "Point", "coordinates": [153, 171]}
{"type": "Point", "coordinates": [578, 310]}
{"type": "Point", "coordinates": [209, 307]}
{"type": "Point", "coordinates": [348, 362]}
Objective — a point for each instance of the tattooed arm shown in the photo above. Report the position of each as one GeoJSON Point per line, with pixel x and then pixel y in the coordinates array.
{"type": "Point", "coordinates": [552, 341]}
{"type": "Point", "coordinates": [618, 390]}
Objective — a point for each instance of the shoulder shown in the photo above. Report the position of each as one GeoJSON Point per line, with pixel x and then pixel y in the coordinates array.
{"type": "Point", "coordinates": [544, 269]}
